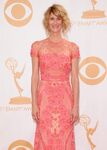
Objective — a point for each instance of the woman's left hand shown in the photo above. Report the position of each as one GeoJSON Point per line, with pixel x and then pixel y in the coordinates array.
{"type": "Point", "coordinates": [75, 115]}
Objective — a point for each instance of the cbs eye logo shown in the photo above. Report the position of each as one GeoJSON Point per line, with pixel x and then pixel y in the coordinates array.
{"type": "Point", "coordinates": [95, 70]}
{"type": "Point", "coordinates": [18, 12]}
{"type": "Point", "coordinates": [20, 145]}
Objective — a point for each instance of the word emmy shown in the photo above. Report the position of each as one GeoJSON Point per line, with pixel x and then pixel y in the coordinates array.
{"type": "Point", "coordinates": [11, 64]}
{"type": "Point", "coordinates": [93, 13]}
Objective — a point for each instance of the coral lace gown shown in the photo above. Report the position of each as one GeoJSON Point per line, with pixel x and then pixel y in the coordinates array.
{"type": "Point", "coordinates": [55, 131]}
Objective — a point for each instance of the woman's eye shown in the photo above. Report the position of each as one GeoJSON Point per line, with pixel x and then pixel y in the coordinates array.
{"type": "Point", "coordinates": [57, 19]}
{"type": "Point", "coordinates": [51, 18]}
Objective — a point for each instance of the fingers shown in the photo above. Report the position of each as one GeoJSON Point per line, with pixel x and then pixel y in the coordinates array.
{"type": "Point", "coordinates": [35, 116]}
{"type": "Point", "coordinates": [76, 122]}
{"type": "Point", "coordinates": [74, 119]}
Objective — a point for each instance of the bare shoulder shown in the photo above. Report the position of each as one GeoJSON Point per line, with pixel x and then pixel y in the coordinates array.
{"type": "Point", "coordinates": [38, 41]}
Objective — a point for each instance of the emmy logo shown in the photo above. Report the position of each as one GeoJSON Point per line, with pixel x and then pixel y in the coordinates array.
{"type": "Point", "coordinates": [85, 121]}
{"type": "Point", "coordinates": [94, 13]}
{"type": "Point", "coordinates": [11, 64]}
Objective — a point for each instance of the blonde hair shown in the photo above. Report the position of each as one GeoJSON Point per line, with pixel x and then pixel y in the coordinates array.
{"type": "Point", "coordinates": [59, 11]}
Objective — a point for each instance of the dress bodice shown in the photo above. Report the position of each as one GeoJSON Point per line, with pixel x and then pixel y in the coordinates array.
{"type": "Point", "coordinates": [55, 58]}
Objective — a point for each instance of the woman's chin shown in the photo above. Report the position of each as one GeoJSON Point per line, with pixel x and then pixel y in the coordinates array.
{"type": "Point", "coordinates": [55, 31]}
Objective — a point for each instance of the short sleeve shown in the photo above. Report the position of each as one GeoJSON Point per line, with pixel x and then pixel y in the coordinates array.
{"type": "Point", "coordinates": [75, 52]}
{"type": "Point", "coordinates": [34, 49]}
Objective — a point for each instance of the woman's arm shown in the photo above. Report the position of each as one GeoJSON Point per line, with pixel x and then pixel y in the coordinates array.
{"type": "Point", "coordinates": [75, 82]}
{"type": "Point", "coordinates": [35, 80]}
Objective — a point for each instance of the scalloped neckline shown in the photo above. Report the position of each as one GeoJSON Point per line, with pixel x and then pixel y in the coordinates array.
{"type": "Point", "coordinates": [55, 42]}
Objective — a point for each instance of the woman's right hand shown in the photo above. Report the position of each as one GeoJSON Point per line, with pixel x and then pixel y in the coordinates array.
{"type": "Point", "coordinates": [35, 113]}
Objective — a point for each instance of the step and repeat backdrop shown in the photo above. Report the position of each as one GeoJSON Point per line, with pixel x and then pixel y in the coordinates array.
{"type": "Point", "coordinates": [20, 25]}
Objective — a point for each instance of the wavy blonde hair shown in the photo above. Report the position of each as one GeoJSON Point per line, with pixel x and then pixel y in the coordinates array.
{"type": "Point", "coordinates": [59, 11]}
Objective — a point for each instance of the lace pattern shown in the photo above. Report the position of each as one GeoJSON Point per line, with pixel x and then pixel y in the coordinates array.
{"type": "Point", "coordinates": [55, 131]}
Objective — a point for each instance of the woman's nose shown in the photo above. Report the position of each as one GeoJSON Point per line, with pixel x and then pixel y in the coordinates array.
{"type": "Point", "coordinates": [55, 21]}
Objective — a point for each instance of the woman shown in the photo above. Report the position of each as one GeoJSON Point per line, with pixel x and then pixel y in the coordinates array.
{"type": "Point", "coordinates": [55, 99]}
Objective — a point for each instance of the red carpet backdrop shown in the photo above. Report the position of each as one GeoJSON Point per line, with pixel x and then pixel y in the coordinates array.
{"type": "Point", "coordinates": [20, 25]}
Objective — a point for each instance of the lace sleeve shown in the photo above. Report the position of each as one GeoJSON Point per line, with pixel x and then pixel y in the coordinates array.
{"type": "Point", "coordinates": [75, 52]}
{"type": "Point", "coordinates": [34, 49]}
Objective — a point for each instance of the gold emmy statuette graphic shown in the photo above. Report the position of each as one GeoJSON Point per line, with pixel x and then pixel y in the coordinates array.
{"type": "Point", "coordinates": [85, 121]}
{"type": "Point", "coordinates": [20, 145]}
{"type": "Point", "coordinates": [93, 13]}
{"type": "Point", "coordinates": [11, 64]}
{"type": "Point", "coordinates": [18, 12]}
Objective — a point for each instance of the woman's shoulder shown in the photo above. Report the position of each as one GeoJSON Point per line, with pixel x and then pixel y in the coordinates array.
{"type": "Point", "coordinates": [71, 43]}
{"type": "Point", "coordinates": [36, 46]}
{"type": "Point", "coordinates": [74, 48]}
{"type": "Point", "coordinates": [38, 43]}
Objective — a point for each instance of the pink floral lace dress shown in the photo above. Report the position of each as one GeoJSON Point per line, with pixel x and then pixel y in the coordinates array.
{"type": "Point", "coordinates": [55, 131]}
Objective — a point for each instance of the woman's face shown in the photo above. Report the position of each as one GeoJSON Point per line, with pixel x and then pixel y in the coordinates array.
{"type": "Point", "coordinates": [55, 23]}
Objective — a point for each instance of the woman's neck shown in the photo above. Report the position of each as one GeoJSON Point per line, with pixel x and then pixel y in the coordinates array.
{"type": "Point", "coordinates": [55, 37]}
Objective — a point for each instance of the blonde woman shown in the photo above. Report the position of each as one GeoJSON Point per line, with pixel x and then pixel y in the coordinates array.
{"type": "Point", "coordinates": [55, 98]}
